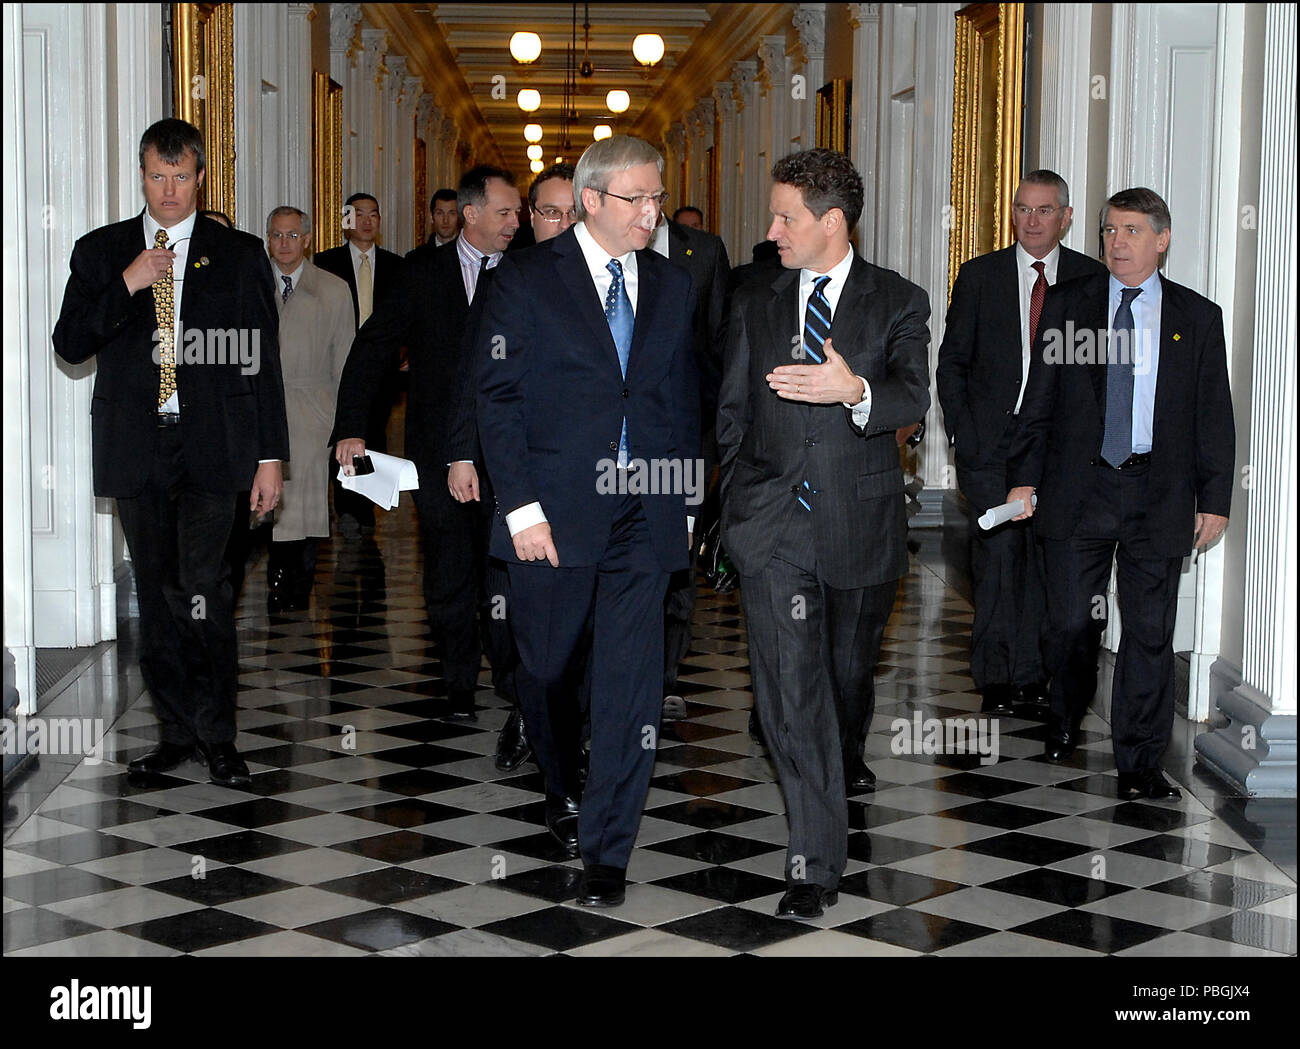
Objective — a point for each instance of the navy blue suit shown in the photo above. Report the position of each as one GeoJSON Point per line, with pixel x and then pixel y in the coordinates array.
{"type": "Point", "coordinates": [551, 404]}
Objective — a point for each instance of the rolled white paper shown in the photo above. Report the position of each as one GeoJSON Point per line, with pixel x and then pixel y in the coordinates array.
{"type": "Point", "coordinates": [1002, 514]}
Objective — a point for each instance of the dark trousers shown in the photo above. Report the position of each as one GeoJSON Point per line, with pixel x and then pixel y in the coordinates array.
{"type": "Point", "coordinates": [679, 603]}
{"type": "Point", "coordinates": [1007, 582]}
{"type": "Point", "coordinates": [453, 538]}
{"type": "Point", "coordinates": [813, 662]}
{"type": "Point", "coordinates": [177, 535]}
{"type": "Point", "coordinates": [613, 611]}
{"type": "Point", "coordinates": [1078, 573]}
{"type": "Point", "coordinates": [498, 637]}
{"type": "Point", "coordinates": [297, 559]}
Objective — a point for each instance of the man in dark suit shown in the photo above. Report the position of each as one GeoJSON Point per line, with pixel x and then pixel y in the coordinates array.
{"type": "Point", "coordinates": [373, 275]}
{"type": "Point", "coordinates": [587, 394]}
{"type": "Point", "coordinates": [704, 257]}
{"type": "Point", "coordinates": [188, 410]}
{"type": "Point", "coordinates": [813, 509]}
{"type": "Point", "coordinates": [444, 216]}
{"type": "Point", "coordinates": [1127, 436]}
{"type": "Point", "coordinates": [428, 314]}
{"type": "Point", "coordinates": [996, 303]}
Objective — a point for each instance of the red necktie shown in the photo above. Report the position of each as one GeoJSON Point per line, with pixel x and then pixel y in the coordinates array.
{"type": "Point", "coordinates": [1036, 296]}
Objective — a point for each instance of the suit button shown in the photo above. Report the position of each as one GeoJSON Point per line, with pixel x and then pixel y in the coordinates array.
{"type": "Point", "coordinates": [794, 489]}
{"type": "Point", "coordinates": [810, 443]}
{"type": "Point", "coordinates": [1007, 412]}
{"type": "Point", "coordinates": [626, 394]}
{"type": "Point", "coordinates": [1092, 462]}
{"type": "Point", "coordinates": [613, 446]}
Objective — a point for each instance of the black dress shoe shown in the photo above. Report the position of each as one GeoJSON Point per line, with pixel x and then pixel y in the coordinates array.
{"type": "Point", "coordinates": [1156, 787]}
{"type": "Point", "coordinates": [755, 729]}
{"type": "Point", "coordinates": [1130, 786]}
{"type": "Point", "coordinates": [998, 698]}
{"type": "Point", "coordinates": [602, 886]}
{"type": "Point", "coordinates": [1034, 695]}
{"type": "Point", "coordinates": [513, 748]}
{"type": "Point", "coordinates": [225, 767]}
{"type": "Point", "coordinates": [806, 901]}
{"type": "Point", "coordinates": [1061, 744]}
{"type": "Point", "coordinates": [562, 821]}
{"type": "Point", "coordinates": [277, 591]}
{"type": "Point", "coordinates": [462, 705]}
{"type": "Point", "coordinates": [860, 779]}
{"type": "Point", "coordinates": [162, 758]}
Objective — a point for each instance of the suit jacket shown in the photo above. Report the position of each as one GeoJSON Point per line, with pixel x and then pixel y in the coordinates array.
{"type": "Point", "coordinates": [426, 314]}
{"type": "Point", "coordinates": [980, 361]}
{"type": "Point", "coordinates": [1062, 420]}
{"type": "Point", "coordinates": [388, 268]}
{"type": "Point", "coordinates": [770, 446]}
{"type": "Point", "coordinates": [316, 330]}
{"type": "Point", "coordinates": [552, 398]}
{"type": "Point", "coordinates": [704, 257]}
{"type": "Point", "coordinates": [232, 413]}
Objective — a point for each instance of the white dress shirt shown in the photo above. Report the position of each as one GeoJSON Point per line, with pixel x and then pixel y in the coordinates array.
{"type": "Point", "coordinates": [294, 278]}
{"type": "Point", "coordinates": [1028, 277]}
{"type": "Point", "coordinates": [356, 254]}
{"type": "Point", "coordinates": [839, 274]}
{"type": "Point", "coordinates": [178, 240]}
{"type": "Point", "coordinates": [470, 262]}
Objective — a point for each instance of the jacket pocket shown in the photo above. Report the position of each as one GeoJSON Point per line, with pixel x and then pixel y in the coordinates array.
{"type": "Point", "coordinates": [880, 484]}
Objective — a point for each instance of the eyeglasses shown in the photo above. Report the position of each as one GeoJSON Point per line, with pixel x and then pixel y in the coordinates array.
{"type": "Point", "coordinates": [1046, 211]}
{"type": "Point", "coordinates": [554, 214]}
{"type": "Point", "coordinates": [284, 235]}
{"type": "Point", "coordinates": [641, 200]}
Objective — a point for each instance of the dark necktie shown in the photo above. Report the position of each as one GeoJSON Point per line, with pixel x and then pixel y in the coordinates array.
{"type": "Point", "coordinates": [288, 287]}
{"type": "Point", "coordinates": [817, 321]}
{"type": "Point", "coordinates": [1036, 296]}
{"type": "Point", "coordinates": [1117, 443]}
{"type": "Point", "coordinates": [621, 320]}
{"type": "Point", "coordinates": [478, 277]}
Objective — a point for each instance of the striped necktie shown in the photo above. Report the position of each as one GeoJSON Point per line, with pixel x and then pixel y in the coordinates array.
{"type": "Point", "coordinates": [817, 321]}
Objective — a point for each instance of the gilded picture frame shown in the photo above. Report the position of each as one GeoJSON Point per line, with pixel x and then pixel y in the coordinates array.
{"type": "Point", "coordinates": [987, 125]}
{"type": "Point", "coordinates": [327, 161]}
{"type": "Point", "coordinates": [833, 115]}
{"type": "Point", "coordinates": [203, 36]}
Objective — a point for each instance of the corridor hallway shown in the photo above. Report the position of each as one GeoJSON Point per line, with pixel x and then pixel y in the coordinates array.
{"type": "Point", "coordinates": [374, 826]}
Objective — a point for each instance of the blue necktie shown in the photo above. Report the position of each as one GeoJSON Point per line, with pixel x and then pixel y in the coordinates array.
{"type": "Point", "coordinates": [288, 288]}
{"type": "Point", "coordinates": [817, 321]}
{"type": "Point", "coordinates": [1117, 442]}
{"type": "Point", "coordinates": [621, 320]}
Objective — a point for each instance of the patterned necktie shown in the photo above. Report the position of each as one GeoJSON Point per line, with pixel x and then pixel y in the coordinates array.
{"type": "Point", "coordinates": [288, 287]}
{"type": "Point", "coordinates": [365, 290]}
{"type": "Point", "coordinates": [1036, 296]}
{"type": "Point", "coordinates": [618, 313]}
{"type": "Point", "coordinates": [164, 308]}
{"type": "Point", "coordinates": [1117, 443]}
{"type": "Point", "coordinates": [817, 321]}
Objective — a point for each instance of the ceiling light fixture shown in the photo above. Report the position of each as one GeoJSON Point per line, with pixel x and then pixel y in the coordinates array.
{"type": "Point", "coordinates": [648, 49]}
{"type": "Point", "coordinates": [534, 152]}
{"type": "Point", "coordinates": [525, 48]}
{"type": "Point", "coordinates": [530, 100]}
{"type": "Point", "coordinates": [536, 167]}
{"type": "Point", "coordinates": [618, 101]}
{"type": "Point", "coordinates": [601, 131]}
{"type": "Point", "coordinates": [533, 133]}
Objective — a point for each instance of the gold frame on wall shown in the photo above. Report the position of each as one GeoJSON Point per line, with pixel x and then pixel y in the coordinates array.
{"type": "Point", "coordinates": [988, 97]}
{"type": "Point", "coordinates": [833, 115]}
{"type": "Point", "coordinates": [203, 36]}
{"type": "Point", "coordinates": [327, 161]}
{"type": "Point", "coordinates": [421, 171]}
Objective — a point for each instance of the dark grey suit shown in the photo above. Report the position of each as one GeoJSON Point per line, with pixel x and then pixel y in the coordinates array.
{"type": "Point", "coordinates": [818, 586]}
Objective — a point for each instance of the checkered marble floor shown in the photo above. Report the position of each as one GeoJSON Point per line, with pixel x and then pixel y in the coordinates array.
{"type": "Point", "coordinates": [375, 826]}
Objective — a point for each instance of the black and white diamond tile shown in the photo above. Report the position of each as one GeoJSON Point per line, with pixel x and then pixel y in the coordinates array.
{"type": "Point", "coordinates": [376, 825]}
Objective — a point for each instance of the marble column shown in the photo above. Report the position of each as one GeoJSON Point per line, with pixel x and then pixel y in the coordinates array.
{"type": "Point", "coordinates": [752, 203]}
{"type": "Point", "coordinates": [726, 144]}
{"type": "Point", "coordinates": [864, 19]}
{"type": "Point", "coordinates": [810, 23]}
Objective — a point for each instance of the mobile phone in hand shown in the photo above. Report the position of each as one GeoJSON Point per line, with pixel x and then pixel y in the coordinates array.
{"type": "Point", "coordinates": [361, 464]}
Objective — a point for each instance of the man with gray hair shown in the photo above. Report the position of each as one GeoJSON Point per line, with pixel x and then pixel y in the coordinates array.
{"type": "Point", "coordinates": [585, 368]}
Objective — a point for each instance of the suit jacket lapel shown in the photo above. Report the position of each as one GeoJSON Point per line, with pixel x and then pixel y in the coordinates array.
{"type": "Point", "coordinates": [197, 271]}
{"type": "Point", "coordinates": [782, 322]}
{"type": "Point", "coordinates": [577, 279]}
{"type": "Point", "coordinates": [850, 311]}
{"type": "Point", "coordinates": [647, 300]}
{"type": "Point", "coordinates": [1097, 308]}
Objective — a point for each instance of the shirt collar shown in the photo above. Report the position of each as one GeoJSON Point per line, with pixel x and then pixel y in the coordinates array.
{"type": "Point", "coordinates": [294, 277]}
{"type": "Point", "coordinates": [659, 242]}
{"type": "Point", "coordinates": [469, 253]}
{"type": "Point", "coordinates": [1150, 287]}
{"type": "Point", "coordinates": [357, 253]}
{"type": "Point", "coordinates": [596, 256]}
{"type": "Point", "coordinates": [838, 273]}
{"type": "Point", "coordinates": [181, 231]}
{"type": "Point", "coordinates": [1049, 260]}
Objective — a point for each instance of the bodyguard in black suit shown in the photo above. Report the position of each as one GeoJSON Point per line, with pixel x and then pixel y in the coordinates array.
{"type": "Point", "coordinates": [1127, 435]}
{"type": "Point", "coordinates": [173, 443]}
{"type": "Point", "coordinates": [984, 360]}
{"type": "Point", "coordinates": [428, 314]}
{"type": "Point", "coordinates": [373, 275]}
{"type": "Point", "coordinates": [813, 511]}
{"type": "Point", "coordinates": [586, 368]}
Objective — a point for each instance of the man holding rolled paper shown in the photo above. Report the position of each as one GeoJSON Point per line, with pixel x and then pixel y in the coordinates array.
{"type": "Point", "coordinates": [983, 363]}
{"type": "Point", "coordinates": [1130, 449]}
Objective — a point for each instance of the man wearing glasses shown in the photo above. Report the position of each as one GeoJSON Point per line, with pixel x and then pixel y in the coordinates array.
{"type": "Point", "coordinates": [550, 202]}
{"type": "Point", "coordinates": [586, 371]}
{"type": "Point", "coordinates": [983, 365]}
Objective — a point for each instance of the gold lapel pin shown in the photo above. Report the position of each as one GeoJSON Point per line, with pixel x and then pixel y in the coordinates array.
{"type": "Point", "coordinates": [1177, 337]}
{"type": "Point", "coordinates": [202, 262]}
{"type": "Point", "coordinates": [690, 251]}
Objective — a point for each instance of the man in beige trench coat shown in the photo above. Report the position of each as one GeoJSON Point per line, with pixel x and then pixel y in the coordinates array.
{"type": "Point", "coordinates": [316, 330]}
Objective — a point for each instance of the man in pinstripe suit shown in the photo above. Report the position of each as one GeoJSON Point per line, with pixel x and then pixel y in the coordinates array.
{"type": "Point", "coordinates": [823, 364]}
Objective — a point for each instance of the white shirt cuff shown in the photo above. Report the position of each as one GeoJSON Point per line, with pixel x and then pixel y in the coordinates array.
{"type": "Point", "coordinates": [862, 410]}
{"type": "Point", "coordinates": [451, 464]}
{"type": "Point", "coordinates": [525, 517]}
{"type": "Point", "coordinates": [690, 525]}
{"type": "Point", "coordinates": [261, 462]}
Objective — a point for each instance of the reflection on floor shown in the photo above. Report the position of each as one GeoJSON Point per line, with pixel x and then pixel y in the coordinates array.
{"type": "Point", "coordinates": [373, 825]}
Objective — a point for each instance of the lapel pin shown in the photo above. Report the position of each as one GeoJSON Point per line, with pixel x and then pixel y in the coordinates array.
{"type": "Point", "coordinates": [202, 262]}
{"type": "Point", "coordinates": [1177, 337]}
{"type": "Point", "coordinates": [690, 251]}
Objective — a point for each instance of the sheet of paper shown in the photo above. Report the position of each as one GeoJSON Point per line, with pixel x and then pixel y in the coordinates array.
{"type": "Point", "coordinates": [392, 475]}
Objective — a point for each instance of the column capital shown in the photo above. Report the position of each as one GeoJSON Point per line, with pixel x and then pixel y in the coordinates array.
{"type": "Point", "coordinates": [771, 62]}
{"type": "Point", "coordinates": [675, 137]}
{"type": "Point", "coordinates": [725, 99]}
{"type": "Point", "coordinates": [344, 19]}
{"type": "Point", "coordinates": [861, 14]}
{"type": "Point", "coordinates": [810, 23]}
